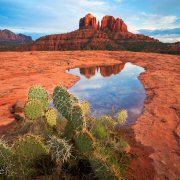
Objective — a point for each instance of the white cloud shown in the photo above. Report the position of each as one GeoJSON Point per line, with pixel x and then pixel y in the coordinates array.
{"type": "Point", "coordinates": [144, 20]}
{"type": "Point", "coordinates": [168, 38]}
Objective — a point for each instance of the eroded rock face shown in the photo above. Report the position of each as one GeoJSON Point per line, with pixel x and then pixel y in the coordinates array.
{"type": "Point", "coordinates": [119, 26]}
{"type": "Point", "coordinates": [107, 23]}
{"type": "Point", "coordinates": [89, 21]}
{"type": "Point", "coordinates": [114, 25]}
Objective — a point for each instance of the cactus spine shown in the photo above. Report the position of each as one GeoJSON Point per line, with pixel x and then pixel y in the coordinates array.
{"type": "Point", "coordinates": [60, 149]}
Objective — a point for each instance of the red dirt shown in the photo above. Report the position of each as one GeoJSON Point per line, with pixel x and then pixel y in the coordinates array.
{"type": "Point", "coordinates": [158, 126]}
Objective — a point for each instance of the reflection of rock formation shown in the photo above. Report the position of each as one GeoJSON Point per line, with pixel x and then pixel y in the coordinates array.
{"type": "Point", "coordinates": [105, 71]}
{"type": "Point", "coordinates": [88, 72]}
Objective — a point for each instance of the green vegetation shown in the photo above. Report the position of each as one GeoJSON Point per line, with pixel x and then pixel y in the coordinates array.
{"type": "Point", "coordinates": [64, 141]}
{"type": "Point", "coordinates": [33, 110]}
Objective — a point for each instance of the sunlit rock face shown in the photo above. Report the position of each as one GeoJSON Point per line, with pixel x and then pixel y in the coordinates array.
{"type": "Point", "coordinates": [105, 71]}
{"type": "Point", "coordinates": [119, 26]}
{"type": "Point", "coordinates": [107, 23]}
{"type": "Point", "coordinates": [89, 21]}
{"type": "Point", "coordinates": [113, 25]}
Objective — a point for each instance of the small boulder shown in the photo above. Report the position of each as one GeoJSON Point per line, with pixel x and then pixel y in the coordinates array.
{"type": "Point", "coordinates": [18, 107]}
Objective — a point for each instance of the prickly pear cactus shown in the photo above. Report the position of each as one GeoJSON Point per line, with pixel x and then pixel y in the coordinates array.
{"type": "Point", "coordinates": [30, 148]}
{"type": "Point", "coordinates": [62, 101]}
{"type": "Point", "coordinates": [101, 169]}
{"type": "Point", "coordinates": [86, 108]}
{"type": "Point", "coordinates": [51, 117]}
{"type": "Point", "coordinates": [6, 160]}
{"type": "Point", "coordinates": [84, 143]}
{"type": "Point", "coordinates": [100, 131]}
{"type": "Point", "coordinates": [68, 106]}
{"type": "Point", "coordinates": [60, 149]}
{"type": "Point", "coordinates": [39, 93]}
{"type": "Point", "coordinates": [76, 117]}
{"type": "Point", "coordinates": [122, 116]}
{"type": "Point", "coordinates": [108, 122]}
{"type": "Point", "coordinates": [33, 110]}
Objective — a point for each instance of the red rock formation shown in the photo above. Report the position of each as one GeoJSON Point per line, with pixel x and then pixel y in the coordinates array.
{"type": "Point", "coordinates": [10, 37]}
{"type": "Point", "coordinates": [105, 71]}
{"type": "Point", "coordinates": [98, 26]}
{"type": "Point", "coordinates": [89, 21]}
{"type": "Point", "coordinates": [107, 23]}
{"type": "Point", "coordinates": [119, 26]}
{"type": "Point", "coordinates": [111, 24]}
{"type": "Point", "coordinates": [88, 72]}
{"type": "Point", "coordinates": [90, 36]}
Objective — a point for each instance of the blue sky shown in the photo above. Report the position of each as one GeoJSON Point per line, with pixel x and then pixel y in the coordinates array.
{"type": "Point", "coordinates": [42, 17]}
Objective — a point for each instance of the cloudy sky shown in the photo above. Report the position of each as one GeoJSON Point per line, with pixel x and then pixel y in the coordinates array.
{"type": "Point", "coordinates": [157, 18]}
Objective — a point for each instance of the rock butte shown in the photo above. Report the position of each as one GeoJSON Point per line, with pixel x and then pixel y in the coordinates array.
{"type": "Point", "coordinates": [90, 35]}
{"type": "Point", "coordinates": [157, 128]}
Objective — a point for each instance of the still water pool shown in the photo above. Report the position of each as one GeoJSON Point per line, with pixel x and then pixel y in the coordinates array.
{"type": "Point", "coordinates": [110, 89]}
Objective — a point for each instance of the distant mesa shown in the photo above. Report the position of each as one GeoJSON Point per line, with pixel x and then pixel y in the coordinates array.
{"type": "Point", "coordinates": [7, 36]}
{"type": "Point", "coordinates": [105, 71]}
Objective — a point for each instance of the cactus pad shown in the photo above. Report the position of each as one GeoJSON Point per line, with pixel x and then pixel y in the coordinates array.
{"type": "Point", "coordinates": [86, 108]}
{"type": "Point", "coordinates": [33, 110]}
{"type": "Point", "coordinates": [51, 117]}
{"type": "Point", "coordinates": [6, 159]}
{"type": "Point", "coordinates": [39, 93]}
{"type": "Point", "coordinates": [30, 147]}
{"type": "Point", "coordinates": [62, 101]}
{"type": "Point", "coordinates": [76, 117]}
{"type": "Point", "coordinates": [84, 143]}
{"type": "Point", "coordinates": [101, 169]}
{"type": "Point", "coordinates": [122, 116]}
{"type": "Point", "coordinates": [100, 131]}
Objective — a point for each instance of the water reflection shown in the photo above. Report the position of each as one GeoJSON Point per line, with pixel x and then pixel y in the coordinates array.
{"type": "Point", "coordinates": [110, 89]}
{"type": "Point", "coordinates": [105, 71]}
